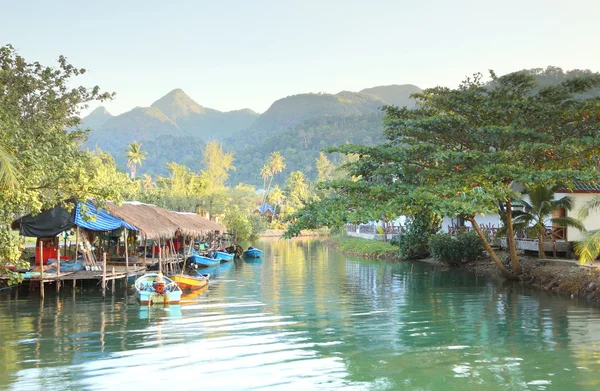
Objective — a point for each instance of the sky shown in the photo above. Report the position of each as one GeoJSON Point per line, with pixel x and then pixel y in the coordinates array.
{"type": "Point", "coordinates": [230, 55]}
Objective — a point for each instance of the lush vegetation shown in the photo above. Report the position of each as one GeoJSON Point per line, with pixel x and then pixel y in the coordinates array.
{"type": "Point", "coordinates": [42, 163]}
{"type": "Point", "coordinates": [466, 246]}
{"type": "Point", "coordinates": [364, 247]}
{"type": "Point", "coordinates": [462, 152]}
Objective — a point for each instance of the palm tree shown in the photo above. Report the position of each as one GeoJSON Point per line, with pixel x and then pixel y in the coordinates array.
{"type": "Point", "coordinates": [589, 248]}
{"type": "Point", "coordinates": [276, 165]}
{"type": "Point", "coordinates": [540, 206]}
{"type": "Point", "coordinates": [135, 156]}
{"type": "Point", "coordinates": [9, 173]}
{"type": "Point", "coordinates": [265, 173]}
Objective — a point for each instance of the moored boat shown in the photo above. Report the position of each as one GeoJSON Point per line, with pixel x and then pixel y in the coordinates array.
{"type": "Point", "coordinates": [187, 282]}
{"type": "Point", "coordinates": [154, 288]}
{"type": "Point", "coordinates": [203, 261]}
{"type": "Point", "coordinates": [253, 252]}
{"type": "Point", "coordinates": [224, 256]}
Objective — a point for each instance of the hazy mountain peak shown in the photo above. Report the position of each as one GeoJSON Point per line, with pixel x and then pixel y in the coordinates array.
{"type": "Point", "coordinates": [395, 94]}
{"type": "Point", "coordinates": [177, 104]}
{"type": "Point", "coordinates": [96, 118]}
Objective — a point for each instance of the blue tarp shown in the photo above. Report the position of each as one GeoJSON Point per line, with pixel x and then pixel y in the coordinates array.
{"type": "Point", "coordinates": [264, 208]}
{"type": "Point", "coordinates": [89, 217]}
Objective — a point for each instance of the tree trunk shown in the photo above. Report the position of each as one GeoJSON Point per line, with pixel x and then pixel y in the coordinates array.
{"type": "Point", "coordinates": [490, 250]}
{"type": "Point", "coordinates": [510, 240]}
{"type": "Point", "coordinates": [541, 254]}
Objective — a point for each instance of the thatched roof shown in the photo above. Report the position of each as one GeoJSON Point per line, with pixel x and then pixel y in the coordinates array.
{"type": "Point", "coordinates": [158, 223]}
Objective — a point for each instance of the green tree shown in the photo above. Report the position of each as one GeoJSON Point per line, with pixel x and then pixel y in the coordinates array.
{"type": "Point", "coordinates": [324, 168]}
{"type": "Point", "coordinates": [39, 129]}
{"type": "Point", "coordinates": [135, 156]}
{"type": "Point", "coordinates": [458, 153]}
{"type": "Point", "coordinates": [538, 210]}
{"type": "Point", "coordinates": [217, 165]}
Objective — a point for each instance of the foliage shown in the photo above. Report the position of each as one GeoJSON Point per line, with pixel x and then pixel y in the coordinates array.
{"type": "Point", "coordinates": [244, 225]}
{"type": "Point", "coordinates": [217, 164]}
{"type": "Point", "coordinates": [258, 225]}
{"type": "Point", "coordinates": [39, 119]}
{"type": "Point", "coordinates": [135, 156]}
{"type": "Point", "coordinates": [364, 247]}
{"type": "Point", "coordinates": [540, 205]}
{"type": "Point", "coordinates": [415, 234]}
{"type": "Point", "coordinates": [467, 246]}
{"type": "Point", "coordinates": [589, 248]}
{"type": "Point", "coordinates": [458, 153]}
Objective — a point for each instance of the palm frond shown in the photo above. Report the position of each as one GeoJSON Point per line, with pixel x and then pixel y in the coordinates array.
{"type": "Point", "coordinates": [589, 248]}
{"type": "Point", "coordinates": [568, 222]}
{"type": "Point", "coordinates": [9, 172]}
{"type": "Point", "coordinates": [590, 205]}
{"type": "Point", "coordinates": [565, 202]}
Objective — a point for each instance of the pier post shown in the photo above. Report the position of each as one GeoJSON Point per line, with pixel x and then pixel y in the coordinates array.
{"type": "Point", "coordinates": [103, 274]}
{"type": "Point", "coordinates": [126, 256]}
{"type": "Point", "coordinates": [41, 269]}
{"type": "Point", "coordinates": [113, 280]}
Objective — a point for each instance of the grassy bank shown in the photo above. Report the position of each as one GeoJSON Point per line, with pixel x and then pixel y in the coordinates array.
{"type": "Point", "coordinates": [363, 247]}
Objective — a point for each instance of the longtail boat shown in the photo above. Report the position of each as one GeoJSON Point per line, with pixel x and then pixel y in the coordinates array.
{"type": "Point", "coordinates": [224, 256]}
{"type": "Point", "coordinates": [192, 283]}
{"type": "Point", "coordinates": [154, 288]}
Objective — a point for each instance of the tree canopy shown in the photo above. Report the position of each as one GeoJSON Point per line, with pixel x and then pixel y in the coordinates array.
{"type": "Point", "coordinates": [461, 150]}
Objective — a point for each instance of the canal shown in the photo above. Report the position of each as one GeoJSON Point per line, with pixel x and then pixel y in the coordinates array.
{"type": "Point", "coordinates": [305, 317]}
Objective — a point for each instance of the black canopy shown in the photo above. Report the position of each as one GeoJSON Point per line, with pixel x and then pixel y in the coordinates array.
{"type": "Point", "coordinates": [46, 224]}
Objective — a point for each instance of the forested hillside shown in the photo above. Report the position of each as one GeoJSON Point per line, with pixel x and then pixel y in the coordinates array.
{"type": "Point", "coordinates": [300, 145]}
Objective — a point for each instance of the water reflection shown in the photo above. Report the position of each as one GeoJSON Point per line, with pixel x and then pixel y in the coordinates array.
{"type": "Point", "coordinates": [305, 317]}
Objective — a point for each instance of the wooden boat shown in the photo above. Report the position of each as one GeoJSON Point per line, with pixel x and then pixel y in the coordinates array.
{"type": "Point", "coordinates": [192, 283]}
{"type": "Point", "coordinates": [201, 260]}
{"type": "Point", "coordinates": [224, 256]}
{"type": "Point", "coordinates": [154, 288]}
{"type": "Point", "coordinates": [253, 252]}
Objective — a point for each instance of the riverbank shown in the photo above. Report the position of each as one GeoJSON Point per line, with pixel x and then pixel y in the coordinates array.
{"type": "Point", "coordinates": [562, 276]}
{"type": "Point", "coordinates": [277, 233]}
{"type": "Point", "coordinates": [366, 248]}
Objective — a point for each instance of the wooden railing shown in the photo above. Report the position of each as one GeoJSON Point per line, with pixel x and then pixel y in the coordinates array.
{"type": "Point", "coordinates": [489, 229]}
{"type": "Point", "coordinates": [372, 229]}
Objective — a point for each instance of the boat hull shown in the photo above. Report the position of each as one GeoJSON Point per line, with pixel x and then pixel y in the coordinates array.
{"type": "Point", "coordinates": [203, 261]}
{"type": "Point", "coordinates": [190, 282]}
{"type": "Point", "coordinates": [147, 295]}
{"type": "Point", "coordinates": [225, 257]}
{"type": "Point", "coordinates": [254, 253]}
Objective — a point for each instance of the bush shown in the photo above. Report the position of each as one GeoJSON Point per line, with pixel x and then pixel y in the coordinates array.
{"type": "Point", "coordinates": [413, 241]}
{"type": "Point", "coordinates": [466, 246]}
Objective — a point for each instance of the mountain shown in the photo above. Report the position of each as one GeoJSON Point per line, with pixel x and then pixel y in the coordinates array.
{"type": "Point", "coordinates": [198, 121]}
{"type": "Point", "coordinates": [140, 124]}
{"type": "Point", "coordinates": [96, 118]}
{"type": "Point", "coordinates": [292, 110]}
{"type": "Point", "coordinates": [396, 95]}
{"type": "Point", "coordinates": [175, 127]}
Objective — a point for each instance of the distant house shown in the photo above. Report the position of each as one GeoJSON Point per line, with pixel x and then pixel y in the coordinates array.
{"type": "Point", "coordinates": [266, 210]}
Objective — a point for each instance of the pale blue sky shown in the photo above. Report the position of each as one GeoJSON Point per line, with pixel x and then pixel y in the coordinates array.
{"type": "Point", "coordinates": [233, 54]}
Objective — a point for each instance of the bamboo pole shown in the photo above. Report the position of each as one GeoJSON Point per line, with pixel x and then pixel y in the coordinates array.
{"type": "Point", "coordinates": [113, 280]}
{"type": "Point", "coordinates": [103, 274]}
{"type": "Point", "coordinates": [41, 269]}
{"type": "Point", "coordinates": [145, 250]}
{"type": "Point", "coordinates": [58, 261]}
{"type": "Point", "coordinates": [76, 243]}
{"type": "Point", "coordinates": [126, 256]}
{"type": "Point", "coordinates": [159, 257]}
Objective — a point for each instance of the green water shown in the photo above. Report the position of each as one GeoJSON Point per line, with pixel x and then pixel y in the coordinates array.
{"type": "Point", "coordinates": [305, 318]}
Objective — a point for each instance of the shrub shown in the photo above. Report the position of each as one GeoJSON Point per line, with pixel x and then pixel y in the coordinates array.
{"type": "Point", "coordinates": [413, 241]}
{"type": "Point", "coordinates": [466, 246]}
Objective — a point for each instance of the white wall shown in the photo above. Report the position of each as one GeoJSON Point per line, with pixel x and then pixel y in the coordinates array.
{"type": "Point", "coordinates": [591, 222]}
{"type": "Point", "coordinates": [493, 219]}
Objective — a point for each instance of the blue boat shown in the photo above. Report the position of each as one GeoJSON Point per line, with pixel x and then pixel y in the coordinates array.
{"type": "Point", "coordinates": [224, 257]}
{"type": "Point", "coordinates": [203, 261]}
{"type": "Point", "coordinates": [154, 288]}
{"type": "Point", "coordinates": [253, 252]}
